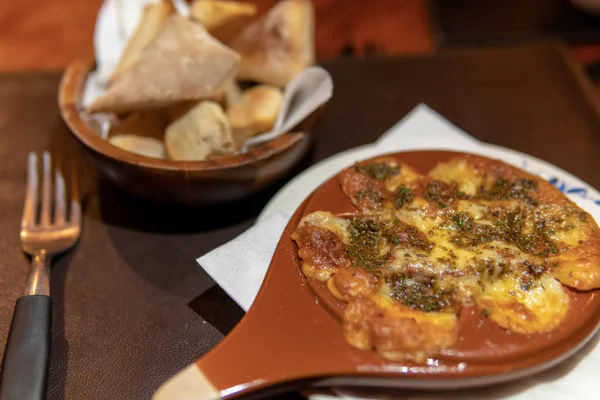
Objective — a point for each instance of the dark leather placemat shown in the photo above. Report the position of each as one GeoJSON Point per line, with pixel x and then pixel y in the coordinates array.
{"type": "Point", "coordinates": [481, 22]}
{"type": "Point", "coordinates": [131, 304]}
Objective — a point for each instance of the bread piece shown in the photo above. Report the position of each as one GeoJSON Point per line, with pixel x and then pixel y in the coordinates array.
{"type": "Point", "coordinates": [202, 132]}
{"type": "Point", "coordinates": [233, 94]}
{"type": "Point", "coordinates": [222, 19]}
{"type": "Point", "coordinates": [256, 113]}
{"type": "Point", "coordinates": [151, 22]}
{"type": "Point", "coordinates": [277, 47]}
{"type": "Point", "coordinates": [183, 63]}
{"type": "Point", "coordinates": [151, 123]}
{"type": "Point", "coordinates": [145, 146]}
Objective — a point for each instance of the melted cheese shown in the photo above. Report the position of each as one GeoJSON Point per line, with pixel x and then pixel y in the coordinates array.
{"type": "Point", "coordinates": [538, 309]}
{"type": "Point", "coordinates": [461, 173]}
{"type": "Point", "coordinates": [327, 220]}
{"type": "Point", "coordinates": [494, 247]}
{"type": "Point", "coordinates": [407, 176]}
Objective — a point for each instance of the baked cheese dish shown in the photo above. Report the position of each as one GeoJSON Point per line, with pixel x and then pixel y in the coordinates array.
{"type": "Point", "coordinates": [473, 232]}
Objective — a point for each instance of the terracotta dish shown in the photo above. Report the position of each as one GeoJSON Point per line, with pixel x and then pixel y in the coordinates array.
{"type": "Point", "coordinates": [291, 337]}
{"type": "Point", "coordinates": [191, 182]}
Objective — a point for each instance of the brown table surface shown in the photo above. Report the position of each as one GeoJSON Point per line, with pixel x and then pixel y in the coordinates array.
{"type": "Point", "coordinates": [474, 21]}
{"type": "Point", "coordinates": [132, 307]}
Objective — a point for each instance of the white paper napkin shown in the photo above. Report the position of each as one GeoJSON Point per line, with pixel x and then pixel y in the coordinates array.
{"type": "Point", "coordinates": [423, 128]}
{"type": "Point", "coordinates": [246, 259]}
{"type": "Point", "coordinates": [240, 265]}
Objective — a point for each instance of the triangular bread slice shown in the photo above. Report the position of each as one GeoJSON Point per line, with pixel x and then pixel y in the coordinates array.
{"type": "Point", "coordinates": [183, 63]}
{"type": "Point", "coordinates": [223, 19]}
{"type": "Point", "coordinates": [278, 46]}
{"type": "Point", "coordinates": [151, 22]}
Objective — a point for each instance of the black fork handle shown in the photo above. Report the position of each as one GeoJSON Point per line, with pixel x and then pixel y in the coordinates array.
{"type": "Point", "coordinates": [27, 354]}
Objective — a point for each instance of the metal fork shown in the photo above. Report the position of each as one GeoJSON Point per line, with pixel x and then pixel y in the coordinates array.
{"type": "Point", "coordinates": [51, 224]}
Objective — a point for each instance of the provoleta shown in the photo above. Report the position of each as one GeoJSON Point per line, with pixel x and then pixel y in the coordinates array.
{"type": "Point", "coordinates": [418, 249]}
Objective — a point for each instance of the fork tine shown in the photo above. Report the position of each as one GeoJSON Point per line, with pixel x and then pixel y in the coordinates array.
{"type": "Point", "coordinates": [46, 207]}
{"type": "Point", "coordinates": [75, 217]}
{"type": "Point", "coordinates": [31, 194]}
{"type": "Point", "coordinates": [60, 204]}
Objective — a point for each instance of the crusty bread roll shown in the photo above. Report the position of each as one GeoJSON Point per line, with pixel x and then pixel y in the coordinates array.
{"type": "Point", "coordinates": [256, 113]}
{"type": "Point", "coordinates": [223, 19]}
{"type": "Point", "coordinates": [151, 22]}
{"type": "Point", "coordinates": [278, 46]}
{"type": "Point", "coordinates": [183, 63]}
{"type": "Point", "coordinates": [145, 146]}
{"type": "Point", "coordinates": [202, 132]}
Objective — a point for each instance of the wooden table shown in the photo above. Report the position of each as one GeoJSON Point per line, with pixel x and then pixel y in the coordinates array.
{"type": "Point", "coordinates": [132, 307]}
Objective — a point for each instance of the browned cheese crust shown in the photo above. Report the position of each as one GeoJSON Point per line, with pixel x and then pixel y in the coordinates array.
{"type": "Point", "coordinates": [472, 232]}
{"type": "Point", "coordinates": [574, 231]}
